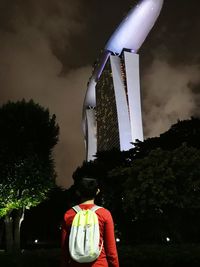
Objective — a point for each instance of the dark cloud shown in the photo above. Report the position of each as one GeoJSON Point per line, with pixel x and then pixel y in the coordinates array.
{"type": "Point", "coordinates": [175, 34]}
{"type": "Point", "coordinates": [170, 67]}
{"type": "Point", "coordinates": [168, 95]}
{"type": "Point", "coordinates": [47, 48]}
{"type": "Point", "coordinates": [32, 34]}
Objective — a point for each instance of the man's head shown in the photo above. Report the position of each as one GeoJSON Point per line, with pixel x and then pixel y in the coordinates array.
{"type": "Point", "coordinates": [86, 188]}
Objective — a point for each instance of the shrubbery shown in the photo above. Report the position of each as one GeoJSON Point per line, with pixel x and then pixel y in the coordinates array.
{"type": "Point", "coordinates": [160, 256]}
{"type": "Point", "coordinates": [187, 255]}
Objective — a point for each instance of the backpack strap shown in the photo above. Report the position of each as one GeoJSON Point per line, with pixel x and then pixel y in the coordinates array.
{"type": "Point", "coordinates": [95, 208]}
{"type": "Point", "coordinates": [76, 208]}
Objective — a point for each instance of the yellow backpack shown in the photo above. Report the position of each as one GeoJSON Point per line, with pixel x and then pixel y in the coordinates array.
{"type": "Point", "coordinates": [84, 238]}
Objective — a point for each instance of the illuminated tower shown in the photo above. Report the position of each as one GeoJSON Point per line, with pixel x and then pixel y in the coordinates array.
{"type": "Point", "coordinates": [112, 106]}
{"type": "Point", "coordinates": [118, 104]}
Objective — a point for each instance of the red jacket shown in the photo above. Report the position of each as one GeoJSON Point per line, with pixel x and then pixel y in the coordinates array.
{"type": "Point", "coordinates": [108, 256]}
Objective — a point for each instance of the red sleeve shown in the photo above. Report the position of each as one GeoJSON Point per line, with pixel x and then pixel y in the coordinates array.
{"type": "Point", "coordinates": [109, 242]}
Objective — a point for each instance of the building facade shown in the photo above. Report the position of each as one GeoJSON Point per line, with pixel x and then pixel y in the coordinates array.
{"type": "Point", "coordinates": [116, 119]}
{"type": "Point", "coordinates": [112, 116]}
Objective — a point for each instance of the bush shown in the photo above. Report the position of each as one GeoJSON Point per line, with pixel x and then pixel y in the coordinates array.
{"type": "Point", "coordinates": [32, 258]}
{"type": "Point", "coordinates": [186, 255]}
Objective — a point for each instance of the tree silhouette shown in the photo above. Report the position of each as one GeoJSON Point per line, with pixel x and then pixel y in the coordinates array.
{"type": "Point", "coordinates": [185, 131]}
{"type": "Point", "coordinates": [27, 137]}
{"type": "Point", "coordinates": [154, 185]}
{"type": "Point", "coordinates": [164, 186]}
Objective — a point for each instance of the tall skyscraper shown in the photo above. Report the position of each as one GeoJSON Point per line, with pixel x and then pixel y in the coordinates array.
{"type": "Point", "coordinates": [118, 104]}
{"type": "Point", "coordinates": [112, 116]}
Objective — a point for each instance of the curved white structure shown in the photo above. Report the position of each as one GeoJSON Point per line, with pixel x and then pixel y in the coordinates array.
{"type": "Point", "coordinates": [129, 35]}
{"type": "Point", "coordinates": [135, 27]}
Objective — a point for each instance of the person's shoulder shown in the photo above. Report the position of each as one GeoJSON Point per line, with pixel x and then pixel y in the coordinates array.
{"type": "Point", "coordinates": [104, 212]}
{"type": "Point", "coordinates": [70, 212]}
{"type": "Point", "coordinates": [102, 209]}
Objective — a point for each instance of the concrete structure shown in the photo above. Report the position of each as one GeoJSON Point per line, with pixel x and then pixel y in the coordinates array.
{"type": "Point", "coordinates": [112, 106]}
{"type": "Point", "coordinates": [118, 104]}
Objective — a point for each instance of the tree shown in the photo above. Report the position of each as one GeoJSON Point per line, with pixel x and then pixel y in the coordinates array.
{"type": "Point", "coordinates": [50, 210]}
{"type": "Point", "coordinates": [164, 186]}
{"type": "Point", "coordinates": [185, 131]}
{"type": "Point", "coordinates": [27, 137]}
{"type": "Point", "coordinates": [113, 168]}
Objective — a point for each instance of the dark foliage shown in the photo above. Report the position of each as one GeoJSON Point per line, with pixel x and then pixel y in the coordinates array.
{"type": "Point", "coordinates": [154, 187]}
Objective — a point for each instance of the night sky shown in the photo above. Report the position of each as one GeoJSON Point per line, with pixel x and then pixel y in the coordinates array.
{"type": "Point", "coordinates": [47, 48]}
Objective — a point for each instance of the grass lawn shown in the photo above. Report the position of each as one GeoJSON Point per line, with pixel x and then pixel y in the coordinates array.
{"type": "Point", "coordinates": [187, 255]}
{"type": "Point", "coordinates": [32, 258]}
